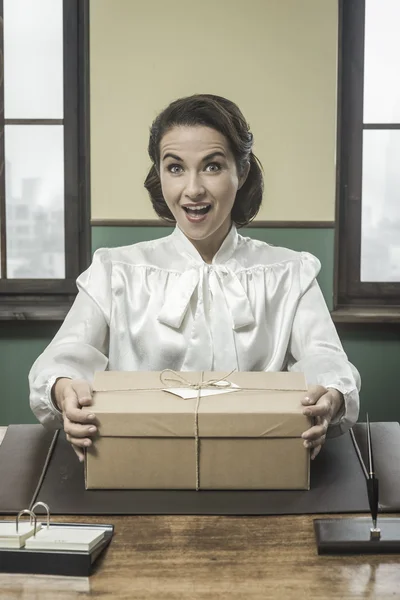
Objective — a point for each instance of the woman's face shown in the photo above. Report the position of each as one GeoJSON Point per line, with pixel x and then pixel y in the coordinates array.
{"type": "Point", "coordinates": [199, 181]}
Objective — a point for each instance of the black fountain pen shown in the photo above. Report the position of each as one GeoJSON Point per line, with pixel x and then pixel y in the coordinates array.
{"type": "Point", "coordinates": [372, 487]}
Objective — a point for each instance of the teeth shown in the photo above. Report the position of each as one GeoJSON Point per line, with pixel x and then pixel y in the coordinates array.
{"type": "Point", "coordinates": [196, 208]}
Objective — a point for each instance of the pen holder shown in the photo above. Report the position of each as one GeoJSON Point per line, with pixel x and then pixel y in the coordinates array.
{"type": "Point", "coordinates": [355, 535]}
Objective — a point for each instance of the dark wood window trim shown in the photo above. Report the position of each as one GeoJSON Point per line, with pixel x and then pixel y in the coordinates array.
{"type": "Point", "coordinates": [50, 299]}
{"type": "Point", "coordinates": [252, 225]}
{"type": "Point", "coordinates": [354, 300]}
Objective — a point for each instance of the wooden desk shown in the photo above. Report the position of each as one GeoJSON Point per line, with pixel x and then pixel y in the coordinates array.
{"type": "Point", "coordinates": [240, 558]}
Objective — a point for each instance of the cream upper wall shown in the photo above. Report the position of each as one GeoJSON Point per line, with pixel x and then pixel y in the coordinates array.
{"type": "Point", "coordinates": [275, 58]}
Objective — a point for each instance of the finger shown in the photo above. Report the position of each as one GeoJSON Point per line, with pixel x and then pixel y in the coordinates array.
{"type": "Point", "coordinates": [316, 431]}
{"type": "Point", "coordinates": [314, 394]}
{"type": "Point", "coordinates": [321, 409]}
{"type": "Point", "coordinates": [74, 412]}
{"type": "Point", "coordinates": [80, 454]}
{"type": "Point", "coordinates": [77, 415]}
{"type": "Point", "coordinates": [79, 442]}
{"type": "Point", "coordinates": [314, 443]}
{"type": "Point", "coordinates": [315, 451]}
{"type": "Point", "coordinates": [83, 392]}
{"type": "Point", "coordinates": [77, 430]}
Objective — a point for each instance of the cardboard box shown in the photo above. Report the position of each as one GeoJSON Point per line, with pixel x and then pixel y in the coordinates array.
{"type": "Point", "coordinates": [247, 439]}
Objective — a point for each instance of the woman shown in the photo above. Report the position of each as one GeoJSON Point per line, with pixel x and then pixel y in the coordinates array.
{"type": "Point", "coordinates": [203, 298]}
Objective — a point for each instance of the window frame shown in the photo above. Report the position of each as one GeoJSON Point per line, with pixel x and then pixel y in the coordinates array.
{"type": "Point", "coordinates": [354, 300]}
{"type": "Point", "coordinates": [50, 299]}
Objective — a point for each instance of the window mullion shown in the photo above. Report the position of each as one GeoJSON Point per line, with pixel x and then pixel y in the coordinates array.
{"type": "Point", "coordinates": [71, 141]}
{"type": "Point", "coordinates": [3, 240]}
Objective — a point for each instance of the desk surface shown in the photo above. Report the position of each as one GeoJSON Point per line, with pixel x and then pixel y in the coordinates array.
{"type": "Point", "coordinates": [214, 557]}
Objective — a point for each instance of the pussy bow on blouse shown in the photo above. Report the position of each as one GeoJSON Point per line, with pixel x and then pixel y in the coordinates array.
{"type": "Point", "coordinates": [157, 305]}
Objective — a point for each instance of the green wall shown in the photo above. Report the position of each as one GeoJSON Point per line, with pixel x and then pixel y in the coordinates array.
{"type": "Point", "coordinates": [374, 350]}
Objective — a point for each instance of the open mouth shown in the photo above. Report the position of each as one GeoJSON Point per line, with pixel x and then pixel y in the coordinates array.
{"type": "Point", "coordinates": [197, 211]}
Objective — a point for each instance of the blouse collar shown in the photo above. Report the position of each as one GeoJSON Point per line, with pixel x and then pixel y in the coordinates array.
{"type": "Point", "coordinates": [225, 252]}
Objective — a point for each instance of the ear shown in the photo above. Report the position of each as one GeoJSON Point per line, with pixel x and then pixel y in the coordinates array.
{"type": "Point", "coordinates": [242, 179]}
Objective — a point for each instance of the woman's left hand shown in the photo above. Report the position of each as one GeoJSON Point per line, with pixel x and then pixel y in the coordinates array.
{"type": "Point", "coordinates": [323, 405]}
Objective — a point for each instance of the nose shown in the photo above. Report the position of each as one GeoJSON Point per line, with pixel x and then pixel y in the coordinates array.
{"type": "Point", "coordinates": [194, 188]}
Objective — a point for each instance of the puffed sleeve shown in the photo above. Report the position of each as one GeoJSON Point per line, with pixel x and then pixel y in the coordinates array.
{"type": "Point", "coordinates": [80, 346]}
{"type": "Point", "coordinates": [315, 348]}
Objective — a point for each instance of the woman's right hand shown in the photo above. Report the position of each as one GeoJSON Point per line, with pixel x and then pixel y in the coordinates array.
{"type": "Point", "coordinates": [70, 395]}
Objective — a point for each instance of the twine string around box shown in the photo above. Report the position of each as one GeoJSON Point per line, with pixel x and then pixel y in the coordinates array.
{"type": "Point", "coordinates": [221, 383]}
{"type": "Point", "coordinates": [177, 378]}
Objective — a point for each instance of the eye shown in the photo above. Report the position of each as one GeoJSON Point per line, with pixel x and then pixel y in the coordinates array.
{"type": "Point", "coordinates": [175, 169]}
{"type": "Point", "coordinates": [213, 167]}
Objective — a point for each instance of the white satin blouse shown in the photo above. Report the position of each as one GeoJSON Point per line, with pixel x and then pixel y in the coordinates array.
{"type": "Point", "coordinates": [157, 305]}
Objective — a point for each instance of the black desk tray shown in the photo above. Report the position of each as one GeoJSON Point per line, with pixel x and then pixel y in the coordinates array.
{"type": "Point", "coordinates": [352, 536]}
{"type": "Point", "coordinates": [55, 562]}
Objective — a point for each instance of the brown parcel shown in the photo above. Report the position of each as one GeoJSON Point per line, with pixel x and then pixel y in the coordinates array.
{"type": "Point", "coordinates": [249, 439]}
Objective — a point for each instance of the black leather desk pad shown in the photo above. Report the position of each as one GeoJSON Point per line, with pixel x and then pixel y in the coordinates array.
{"type": "Point", "coordinates": [23, 455]}
{"type": "Point", "coordinates": [337, 482]}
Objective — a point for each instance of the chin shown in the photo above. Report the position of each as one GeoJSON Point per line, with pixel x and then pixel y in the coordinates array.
{"type": "Point", "coordinates": [195, 234]}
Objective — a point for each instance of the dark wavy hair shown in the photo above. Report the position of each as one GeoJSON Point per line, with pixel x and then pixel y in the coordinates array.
{"type": "Point", "coordinates": [223, 116]}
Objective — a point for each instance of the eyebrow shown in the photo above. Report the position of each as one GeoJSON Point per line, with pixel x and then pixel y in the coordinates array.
{"type": "Point", "coordinates": [205, 159]}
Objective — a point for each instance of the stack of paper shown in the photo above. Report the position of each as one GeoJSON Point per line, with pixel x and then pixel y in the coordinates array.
{"type": "Point", "coordinates": [9, 538]}
{"type": "Point", "coordinates": [73, 539]}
